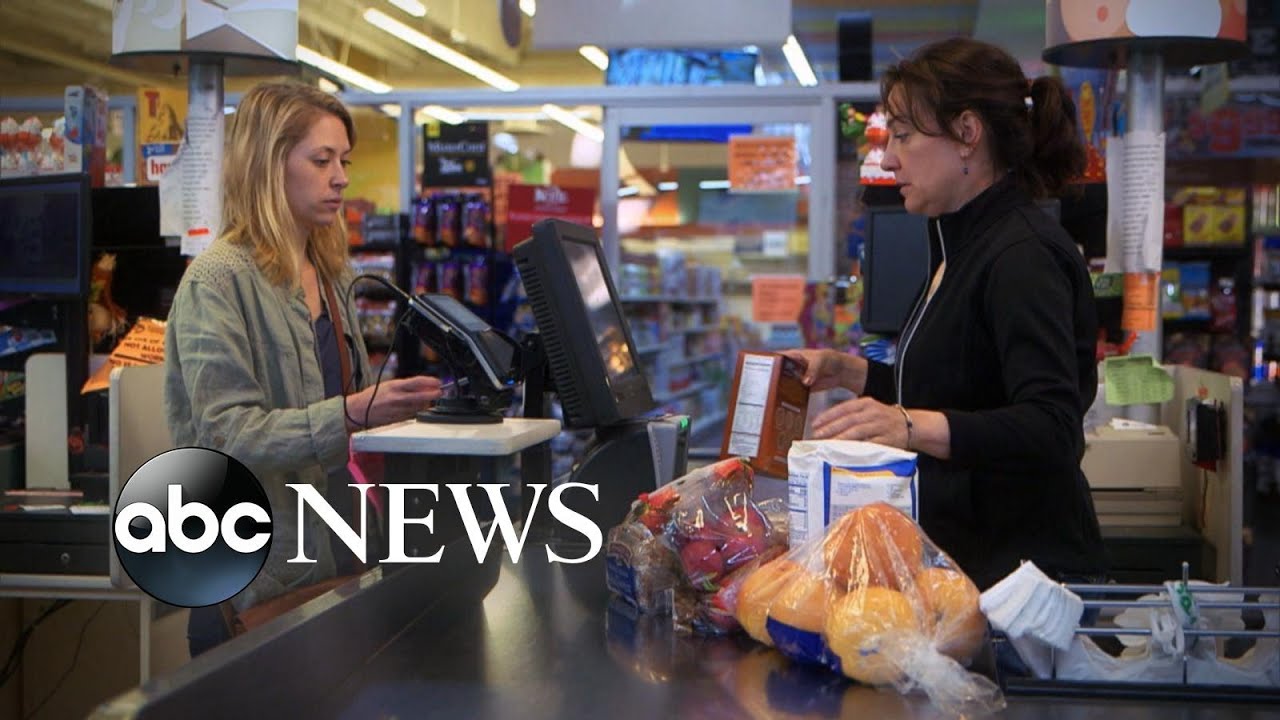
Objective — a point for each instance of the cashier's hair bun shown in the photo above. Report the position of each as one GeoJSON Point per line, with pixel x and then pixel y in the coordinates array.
{"type": "Point", "coordinates": [802, 604]}
{"type": "Point", "coordinates": [952, 616]}
{"type": "Point", "coordinates": [863, 629]}
{"type": "Point", "coordinates": [875, 545]}
{"type": "Point", "coordinates": [758, 592]}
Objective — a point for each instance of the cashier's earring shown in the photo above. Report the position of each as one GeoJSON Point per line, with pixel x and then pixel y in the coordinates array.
{"type": "Point", "coordinates": [964, 167]}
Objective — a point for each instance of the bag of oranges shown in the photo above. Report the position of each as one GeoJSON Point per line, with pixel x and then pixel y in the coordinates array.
{"type": "Point", "coordinates": [874, 599]}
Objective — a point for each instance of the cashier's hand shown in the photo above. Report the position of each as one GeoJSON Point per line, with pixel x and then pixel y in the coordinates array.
{"type": "Point", "coordinates": [396, 400]}
{"type": "Point", "coordinates": [826, 369]}
{"type": "Point", "coordinates": [864, 419]}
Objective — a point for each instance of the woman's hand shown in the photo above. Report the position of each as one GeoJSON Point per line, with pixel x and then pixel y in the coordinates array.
{"type": "Point", "coordinates": [398, 399]}
{"type": "Point", "coordinates": [826, 369]}
{"type": "Point", "coordinates": [864, 419]}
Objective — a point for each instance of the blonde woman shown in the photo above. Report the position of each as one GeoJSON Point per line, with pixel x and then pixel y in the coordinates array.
{"type": "Point", "coordinates": [263, 355]}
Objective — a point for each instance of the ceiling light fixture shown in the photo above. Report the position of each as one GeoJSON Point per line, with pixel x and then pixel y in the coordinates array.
{"type": "Point", "coordinates": [347, 74]}
{"type": "Point", "coordinates": [595, 56]}
{"type": "Point", "coordinates": [413, 7]}
{"type": "Point", "coordinates": [439, 51]}
{"type": "Point", "coordinates": [529, 7]}
{"type": "Point", "coordinates": [798, 62]}
{"type": "Point", "coordinates": [574, 123]}
{"type": "Point", "coordinates": [438, 112]}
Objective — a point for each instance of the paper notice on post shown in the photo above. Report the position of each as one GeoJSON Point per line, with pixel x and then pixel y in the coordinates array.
{"type": "Point", "coordinates": [1135, 202]}
{"type": "Point", "coordinates": [202, 172]}
{"type": "Point", "coordinates": [171, 198]}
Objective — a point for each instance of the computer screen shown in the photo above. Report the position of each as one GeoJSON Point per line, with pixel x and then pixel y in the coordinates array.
{"type": "Point", "coordinates": [606, 322]}
{"type": "Point", "coordinates": [895, 267]}
{"type": "Point", "coordinates": [45, 235]}
{"type": "Point", "coordinates": [588, 343]}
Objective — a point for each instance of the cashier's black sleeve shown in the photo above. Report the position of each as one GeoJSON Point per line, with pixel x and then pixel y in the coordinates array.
{"type": "Point", "coordinates": [1027, 306]}
{"type": "Point", "coordinates": [880, 383]}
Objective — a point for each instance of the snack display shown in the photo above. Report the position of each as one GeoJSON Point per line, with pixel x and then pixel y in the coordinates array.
{"type": "Point", "coordinates": [690, 546]}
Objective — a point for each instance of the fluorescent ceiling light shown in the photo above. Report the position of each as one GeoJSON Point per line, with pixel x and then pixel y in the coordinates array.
{"type": "Point", "coordinates": [714, 184]}
{"type": "Point", "coordinates": [439, 51]}
{"type": "Point", "coordinates": [328, 85]}
{"type": "Point", "coordinates": [413, 7]}
{"type": "Point", "coordinates": [573, 122]}
{"type": "Point", "coordinates": [628, 191]}
{"type": "Point", "coordinates": [438, 112]}
{"type": "Point", "coordinates": [344, 73]}
{"type": "Point", "coordinates": [529, 7]}
{"type": "Point", "coordinates": [595, 56]}
{"type": "Point", "coordinates": [802, 179]}
{"type": "Point", "coordinates": [798, 62]}
{"type": "Point", "coordinates": [390, 109]}
{"type": "Point", "coordinates": [665, 186]}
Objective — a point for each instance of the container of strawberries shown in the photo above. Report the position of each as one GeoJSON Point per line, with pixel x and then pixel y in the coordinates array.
{"type": "Point", "coordinates": [685, 548]}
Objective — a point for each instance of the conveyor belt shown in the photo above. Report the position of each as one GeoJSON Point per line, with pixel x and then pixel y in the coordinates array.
{"type": "Point", "coordinates": [546, 642]}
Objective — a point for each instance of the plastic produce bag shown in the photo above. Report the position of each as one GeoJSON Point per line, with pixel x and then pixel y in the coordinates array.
{"type": "Point", "coordinates": [875, 600]}
{"type": "Point", "coordinates": [687, 547]}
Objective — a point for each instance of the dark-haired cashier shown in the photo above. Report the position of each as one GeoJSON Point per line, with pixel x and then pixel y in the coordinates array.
{"type": "Point", "coordinates": [995, 366]}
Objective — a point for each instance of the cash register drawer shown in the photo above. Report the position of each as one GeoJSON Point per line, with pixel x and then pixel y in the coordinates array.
{"type": "Point", "coordinates": [58, 543]}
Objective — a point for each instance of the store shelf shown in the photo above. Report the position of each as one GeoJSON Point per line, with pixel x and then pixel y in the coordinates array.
{"type": "Point", "coordinates": [650, 349]}
{"type": "Point", "coordinates": [1195, 325]}
{"type": "Point", "coordinates": [673, 299]}
{"type": "Point", "coordinates": [386, 246]}
{"type": "Point", "coordinates": [1204, 252]}
{"type": "Point", "coordinates": [700, 329]}
{"type": "Point", "coordinates": [696, 359]}
{"type": "Point", "coordinates": [709, 421]}
{"type": "Point", "coordinates": [693, 389]}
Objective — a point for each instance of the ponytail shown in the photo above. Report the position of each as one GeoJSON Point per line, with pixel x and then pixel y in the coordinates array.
{"type": "Point", "coordinates": [1057, 155]}
{"type": "Point", "coordinates": [1037, 144]}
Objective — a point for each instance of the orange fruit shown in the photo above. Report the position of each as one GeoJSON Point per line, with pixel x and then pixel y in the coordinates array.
{"type": "Point", "coordinates": [863, 629]}
{"type": "Point", "coordinates": [875, 545]}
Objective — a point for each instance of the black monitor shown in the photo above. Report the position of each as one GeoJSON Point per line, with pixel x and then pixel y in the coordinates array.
{"type": "Point", "coordinates": [894, 269]}
{"type": "Point", "coordinates": [591, 354]}
{"type": "Point", "coordinates": [45, 231]}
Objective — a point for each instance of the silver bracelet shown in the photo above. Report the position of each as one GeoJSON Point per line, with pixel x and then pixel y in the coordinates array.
{"type": "Point", "coordinates": [906, 416]}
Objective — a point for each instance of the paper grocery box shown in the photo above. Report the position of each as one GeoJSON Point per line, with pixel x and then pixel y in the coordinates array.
{"type": "Point", "coordinates": [767, 409]}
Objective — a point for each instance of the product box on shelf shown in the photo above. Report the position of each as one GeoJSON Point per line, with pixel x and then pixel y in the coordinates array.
{"type": "Point", "coordinates": [85, 149]}
{"type": "Point", "coordinates": [768, 405]}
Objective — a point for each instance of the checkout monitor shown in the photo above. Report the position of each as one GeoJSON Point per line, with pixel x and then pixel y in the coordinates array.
{"type": "Point", "coordinates": [588, 343]}
{"type": "Point", "coordinates": [45, 235]}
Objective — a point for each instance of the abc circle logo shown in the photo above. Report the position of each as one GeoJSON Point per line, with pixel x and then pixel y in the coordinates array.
{"type": "Point", "coordinates": [192, 527]}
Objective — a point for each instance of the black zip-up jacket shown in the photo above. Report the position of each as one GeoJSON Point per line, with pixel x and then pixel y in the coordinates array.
{"type": "Point", "coordinates": [1005, 349]}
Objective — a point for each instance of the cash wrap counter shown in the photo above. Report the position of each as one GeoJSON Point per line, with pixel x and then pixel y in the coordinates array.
{"type": "Point", "coordinates": [533, 640]}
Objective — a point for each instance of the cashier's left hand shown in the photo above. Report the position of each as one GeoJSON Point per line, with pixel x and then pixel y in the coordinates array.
{"type": "Point", "coordinates": [864, 419]}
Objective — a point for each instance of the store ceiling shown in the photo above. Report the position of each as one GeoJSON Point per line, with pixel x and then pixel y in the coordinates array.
{"type": "Point", "coordinates": [46, 45]}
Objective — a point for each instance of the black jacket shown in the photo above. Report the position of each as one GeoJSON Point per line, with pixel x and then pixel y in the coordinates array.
{"type": "Point", "coordinates": [1005, 349]}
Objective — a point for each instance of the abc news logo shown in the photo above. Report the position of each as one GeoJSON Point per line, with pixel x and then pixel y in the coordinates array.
{"type": "Point", "coordinates": [193, 527]}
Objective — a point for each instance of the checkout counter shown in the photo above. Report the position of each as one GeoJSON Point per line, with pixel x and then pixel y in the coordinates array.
{"type": "Point", "coordinates": [498, 639]}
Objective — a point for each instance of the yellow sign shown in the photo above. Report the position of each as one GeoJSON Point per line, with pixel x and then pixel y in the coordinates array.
{"type": "Point", "coordinates": [162, 116]}
{"type": "Point", "coordinates": [762, 163]}
{"type": "Point", "coordinates": [1135, 380]}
